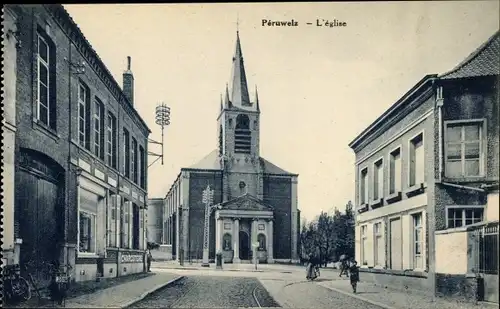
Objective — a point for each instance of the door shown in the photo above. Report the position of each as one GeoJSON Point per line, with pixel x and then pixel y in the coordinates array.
{"type": "Point", "coordinates": [244, 245]}
{"type": "Point", "coordinates": [396, 245]}
{"type": "Point", "coordinates": [40, 225]}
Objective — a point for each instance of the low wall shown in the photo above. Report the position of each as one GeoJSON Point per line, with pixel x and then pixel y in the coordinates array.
{"type": "Point", "coordinates": [118, 262]}
{"type": "Point", "coordinates": [398, 280]}
{"type": "Point", "coordinates": [460, 287]}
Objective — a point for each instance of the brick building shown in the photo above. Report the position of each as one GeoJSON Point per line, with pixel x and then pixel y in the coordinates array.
{"type": "Point", "coordinates": [428, 167]}
{"type": "Point", "coordinates": [257, 201]}
{"type": "Point", "coordinates": [81, 153]}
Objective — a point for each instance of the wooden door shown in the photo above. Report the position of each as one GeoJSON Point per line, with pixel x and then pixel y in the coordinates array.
{"type": "Point", "coordinates": [396, 244]}
{"type": "Point", "coordinates": [39, 226]}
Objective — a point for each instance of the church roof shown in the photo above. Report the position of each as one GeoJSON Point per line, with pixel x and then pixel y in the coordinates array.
{"type": "Point", "coordinates": [212, 162]}
{"type": "Point", "coordinates": [484, 61]}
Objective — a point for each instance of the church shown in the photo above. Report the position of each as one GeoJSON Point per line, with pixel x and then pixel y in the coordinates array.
{"type": "Point", "coordinates": [255, 201]}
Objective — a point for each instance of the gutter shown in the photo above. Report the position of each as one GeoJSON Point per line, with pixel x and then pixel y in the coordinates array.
{"type": "Point", "coordinates": [439, 105]}
{"type": "Point", "coordinates": [462, 187]}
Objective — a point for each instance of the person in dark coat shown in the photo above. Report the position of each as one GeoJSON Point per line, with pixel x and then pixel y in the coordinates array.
{"type": "Point", "coordinates": [354, 278]}
{"type": "Point", "coordinates": [149, 258]}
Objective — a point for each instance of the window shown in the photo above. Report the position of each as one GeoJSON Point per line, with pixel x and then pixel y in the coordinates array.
{"type": "Point", "coordinates": [136, 231]}
{"type": "Point", "coordinates": [88, 203]}
{"type": "Point", "coordinates": [378, 180]}
{"type": "Point", "coordinates": [463, 149]}
{"type": "Point", "coordinates": [46, 105]}
{"type": "Point", "coordinates": [242, 135]}
{"type": "Point", "coordinates": [125, 224]}
{"type": "Point", "coordinates": [363, 194]}
{"type": "Point", "coordinates": [243, 187]}
{"type": "Point", "coordinates": [84, 116]}
{"type": "Point", "coordinates": [113, 220]}
{"type": "Point", "coordinates": [463, 216]}
{"type": "Point", "coordinates": [126, 153]}
{"type": "Point", "coordinates": [111, 141]}
{"type": "Point", "coordinates": [417, 167]}
{"type": "Point", "coordinates": [379, 248]}
{"type": "Point", "coordinates": [98, 128]}
{"type": "Point", "coordinates": [87, 232]}
{"type": "Point", "coordinates": [226, 242]}
{"type": "Point", "coordinates": [364, 261]}
{"type": "Point", "coordinates": [133, 157]}
{"type": "Point", "coordinates": [395, 171]}
{"type": "Point", "coordinates": [418, 241]}
{"type": "Point", "coordinates": [261, 239]}
{"type": "Point", "coordinates": [142, 167]}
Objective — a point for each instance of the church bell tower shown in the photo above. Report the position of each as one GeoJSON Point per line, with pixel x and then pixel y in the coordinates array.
{"type": "Point", "coordinates": [238, 134]}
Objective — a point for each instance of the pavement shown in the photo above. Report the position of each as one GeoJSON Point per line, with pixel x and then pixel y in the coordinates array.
{"type": "Point", "coordinates": [284, 283]}
{"type": "Point", "coordinates": [125, 294]}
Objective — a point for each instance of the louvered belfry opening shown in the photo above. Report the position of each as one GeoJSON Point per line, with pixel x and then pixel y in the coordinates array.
{"type": "Point", "coordinates": [242, 135]}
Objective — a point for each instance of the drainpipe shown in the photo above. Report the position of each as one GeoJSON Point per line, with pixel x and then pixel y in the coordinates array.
{"type": "Point", "coordinates": [462, 187]}
{"type": "Point", "coordinates": [439, 105]}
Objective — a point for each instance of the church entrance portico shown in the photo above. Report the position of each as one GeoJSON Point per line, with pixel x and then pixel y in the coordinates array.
{"type": "Point", "coordinates": [242, 222]}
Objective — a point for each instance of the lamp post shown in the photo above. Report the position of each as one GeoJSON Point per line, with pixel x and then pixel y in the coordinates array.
{"type": "Point", "coordinates": [208, 197]}
{"type": "Point", "coordinates": [162, 119]}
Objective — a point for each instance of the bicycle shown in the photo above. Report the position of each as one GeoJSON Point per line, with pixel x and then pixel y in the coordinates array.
{"type": "Point", "coordinates": [16, 287]}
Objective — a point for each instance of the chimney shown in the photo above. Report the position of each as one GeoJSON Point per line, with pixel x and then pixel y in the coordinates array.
{"type": "Point", "coordinates": [128, 83]}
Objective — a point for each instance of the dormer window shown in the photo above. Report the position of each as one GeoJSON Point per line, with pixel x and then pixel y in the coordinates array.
{"type": "Point", "coordinates": [242, 135]}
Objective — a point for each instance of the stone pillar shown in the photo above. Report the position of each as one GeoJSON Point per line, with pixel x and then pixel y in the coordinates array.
{"type": "Point", "coordinates": [236, 237]}
{"type": "Point", "coordinates": [253, 232]}
{"type": "Point", "coordinates": [295, 227]}
{"type": "Point", "coordinates": [270, 242]}
{"type": "Point", "coordinates": [218, 234]}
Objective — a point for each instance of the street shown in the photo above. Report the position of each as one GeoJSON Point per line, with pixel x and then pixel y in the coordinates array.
{"type": "Point", "coordinates": [230, 289]}
{"type": "Point", "coordinates": [209, 292]}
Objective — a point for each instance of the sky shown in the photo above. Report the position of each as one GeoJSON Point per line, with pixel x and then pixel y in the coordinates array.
{"type": "Point", "coordinates": [319, 87]}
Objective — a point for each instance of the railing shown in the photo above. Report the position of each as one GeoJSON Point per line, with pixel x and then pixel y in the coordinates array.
{"type": "Point", "coordinates": [486, 255]}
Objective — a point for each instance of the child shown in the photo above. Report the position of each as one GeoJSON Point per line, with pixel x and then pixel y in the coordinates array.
{"type": "Point", "coordinates": [354, 278]}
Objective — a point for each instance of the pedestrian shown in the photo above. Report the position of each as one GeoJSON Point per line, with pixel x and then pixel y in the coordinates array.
{"type": "Point", "coordinates": [311, 267]}
{"type": "Point", "coordinates": [344, 265]}
{"type": "Point", "coordinates": [149, 258]}
{"type": "Point", "coordinates": [354, 278]}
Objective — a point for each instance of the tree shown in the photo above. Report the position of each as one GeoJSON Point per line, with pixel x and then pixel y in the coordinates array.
{"type": "Point", "coordinates": [329, 236]}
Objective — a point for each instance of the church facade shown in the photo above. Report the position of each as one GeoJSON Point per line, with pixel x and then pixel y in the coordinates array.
{"type": "Point", "coordinates": [255, 201]}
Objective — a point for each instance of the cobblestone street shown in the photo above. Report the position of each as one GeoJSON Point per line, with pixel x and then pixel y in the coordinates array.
{"type": "Point", "coordinates": [209, 292]}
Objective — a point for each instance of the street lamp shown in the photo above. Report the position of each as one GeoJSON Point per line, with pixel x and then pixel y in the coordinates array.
{"type": "Point", "coordinates": [207, 199]}
{"type": "Point", "coordinates": [162, 119]}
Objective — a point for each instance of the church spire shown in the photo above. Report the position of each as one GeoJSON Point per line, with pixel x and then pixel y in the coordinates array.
{"type": "Point", "coordinates": [239, 88]}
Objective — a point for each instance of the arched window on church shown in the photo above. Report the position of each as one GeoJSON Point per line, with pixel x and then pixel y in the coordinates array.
{"type": "Point", "coordinates": [242, 135]}
{"type": "Point", "coordinates": [226, 242]}
{"type": "Point", "coordinates": [261, 238]}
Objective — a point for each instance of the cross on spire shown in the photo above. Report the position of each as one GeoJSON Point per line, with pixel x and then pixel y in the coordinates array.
{"type": "Point", "coordinates": [237, 22]}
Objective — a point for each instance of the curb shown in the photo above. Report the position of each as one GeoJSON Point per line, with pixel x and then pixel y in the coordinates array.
{"type": "Point", "coordinates": [145, 294]}
{"type": "Point", "coordinates": [358, 297]}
